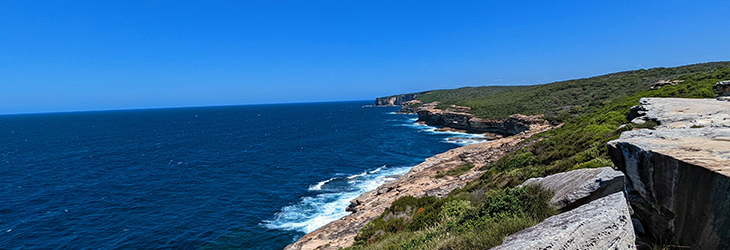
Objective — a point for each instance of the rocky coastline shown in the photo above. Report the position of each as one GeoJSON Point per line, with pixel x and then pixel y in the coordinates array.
{"type": "Point", "coordinates": [670, 186]}
{"type": "Point", "coordinates": [418, 182]}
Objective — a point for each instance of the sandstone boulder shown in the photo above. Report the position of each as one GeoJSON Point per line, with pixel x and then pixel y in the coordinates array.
{"type": "Point", "coordinates": [723, 90]}
{"type": "Point", "coordinates": [578, 187]}
{"type": "Point", "coordinates": [601, 224]}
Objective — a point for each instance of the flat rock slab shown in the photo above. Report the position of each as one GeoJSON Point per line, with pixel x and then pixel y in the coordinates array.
{"type": "Point", "coordinates": [704, 147]}
{"type": "Point", "coordinates": [685, 113]}
{"type": "Point", "coordinates": [601, 224]}
{"type": "Point", "coordinates": [578, 187]}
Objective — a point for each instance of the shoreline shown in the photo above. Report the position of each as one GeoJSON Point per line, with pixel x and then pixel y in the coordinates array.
{"type": "Point", "coordinates": [419, 181]}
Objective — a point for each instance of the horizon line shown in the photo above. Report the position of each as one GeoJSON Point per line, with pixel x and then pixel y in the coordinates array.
{"type": "Point", "coordinates": [173, 107]}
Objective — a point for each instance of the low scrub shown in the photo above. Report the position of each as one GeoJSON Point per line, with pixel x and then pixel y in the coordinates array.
{"type": "Point", "coordinates": [466, 222]}
{"type": "Point", "coordinates": [456, 172]}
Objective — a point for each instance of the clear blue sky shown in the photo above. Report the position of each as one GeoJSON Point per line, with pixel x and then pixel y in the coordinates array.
{"type": "Point", "coordinates": [96, 55]}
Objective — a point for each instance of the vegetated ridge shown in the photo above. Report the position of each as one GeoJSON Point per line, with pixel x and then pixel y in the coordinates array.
{"type": "Point", "coordinates": [560, 100]}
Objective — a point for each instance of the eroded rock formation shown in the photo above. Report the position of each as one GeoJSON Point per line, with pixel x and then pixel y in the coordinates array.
{"type": "Point", "coordinates": [458, 119]}
{"type": "Point", "coordinates": [723, 90]}
{"type": "Point", "coordinates": [679, 173]}
{"type": "Point", "coordinates": [396, 99]}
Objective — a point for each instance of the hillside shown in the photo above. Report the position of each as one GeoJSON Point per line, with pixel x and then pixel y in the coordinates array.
{"type": "Point", "coordinates": [482, 213]}
{"type": "Point", "coordinates": [560, 100]}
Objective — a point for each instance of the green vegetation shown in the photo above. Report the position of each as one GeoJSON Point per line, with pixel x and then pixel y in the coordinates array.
{"type": "Point", "coordinates": [455, 223]}
{"type": "Point", "coordinates": [560, 101]}
{"type": "Point", "coordinates": [456, 172]}
{"type": "Point", "coordinates": [490, 207]}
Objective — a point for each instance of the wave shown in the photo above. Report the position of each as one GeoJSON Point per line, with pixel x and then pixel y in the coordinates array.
{"type": "Point", "coordinates": [459, 138]}
{"type": "Point", "coordinates": [316, 211]}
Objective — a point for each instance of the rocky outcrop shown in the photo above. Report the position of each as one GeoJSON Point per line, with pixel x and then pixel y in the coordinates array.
{"type": "Point", "coordinates": [679, 173]}
{"type": "Point", "coordinates": [396, 99]}
{"type": "Point", "coordinates": [659, 84]}
{"type": "Point", "coordinates": [418, 182]}
{"type": "Point", "coordinates": [457, 119]}
{"type": "Point", "coordinates": [410, 107]}
{"type": "Point", "coordinates": [682, 113]}
{"type": "Point", "coordinates": [723, 90]}
{"type": "Point", "coordinates": [578, 187]}
{"type": "Point", "coordinates": [601, 224]}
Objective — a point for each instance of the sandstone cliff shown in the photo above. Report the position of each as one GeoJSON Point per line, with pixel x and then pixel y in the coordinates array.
{"type": "Point", "coordinates": [396, 99]}
{"type": "Point", "coordinates": [457, 118]}
{"type": "Point", "coordinates": [679, 173]}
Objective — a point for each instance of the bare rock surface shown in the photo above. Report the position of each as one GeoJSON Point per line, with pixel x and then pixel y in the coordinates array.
{"type": "Point", "coordinates": [684, 113]}
{"type": "Point", "coordinates": [578, 187]}
{"type": "Point", "coordinates": [418, 182]}
{"type": "Point", "coordinates": [679, 176]}
{"type": "Point", "coordinates": [601, 224]}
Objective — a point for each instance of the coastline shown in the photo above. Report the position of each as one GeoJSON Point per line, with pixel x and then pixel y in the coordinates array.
{"type": "Point", "coordinates": [418, 182]}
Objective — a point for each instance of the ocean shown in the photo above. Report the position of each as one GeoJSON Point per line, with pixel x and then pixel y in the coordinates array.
{"type": "Point", "coordinates": [235, 177]}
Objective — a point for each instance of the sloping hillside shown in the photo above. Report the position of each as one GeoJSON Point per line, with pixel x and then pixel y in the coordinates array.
{"type": "Point", "coordinates": [560, 100]}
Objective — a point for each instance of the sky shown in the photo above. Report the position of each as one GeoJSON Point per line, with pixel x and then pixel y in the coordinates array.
{"type": "Point", "coordinates": [58, 56]}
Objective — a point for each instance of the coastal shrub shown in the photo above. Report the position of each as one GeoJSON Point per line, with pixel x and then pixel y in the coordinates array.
{"type": "Point", "coordinates": [456, 172]}
{"type": "Point", "coordinates": [461, 225]}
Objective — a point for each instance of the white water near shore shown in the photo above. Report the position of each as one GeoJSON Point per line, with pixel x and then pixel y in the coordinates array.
{"type": "Point", "coordinates": [335, 194]}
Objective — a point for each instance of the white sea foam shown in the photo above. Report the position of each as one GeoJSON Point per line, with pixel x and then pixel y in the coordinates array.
{"type": "Point", "coordinates": [461, 138]}
{"type": "Point", "coordinates": [318, 186]}
{"type": "Point", "coordinates": [314, 212]}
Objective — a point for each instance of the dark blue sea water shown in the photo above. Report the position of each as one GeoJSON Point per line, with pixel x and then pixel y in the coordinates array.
{"type": "Point", "coordinates": [249, 177]}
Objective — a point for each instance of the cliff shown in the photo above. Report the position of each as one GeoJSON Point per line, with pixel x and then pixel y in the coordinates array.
{"type": "Point", "coordinates": [679, 172]}
{"type": "Point", "coordinates": [396, 99]}
{"type": "Point", "coordinates": [458, 118]}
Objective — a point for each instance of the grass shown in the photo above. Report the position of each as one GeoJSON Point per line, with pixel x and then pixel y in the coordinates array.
{"type": "Point", "coordinates": [456, 172]}
{"type": "Point", "coordinates": [490, 207]}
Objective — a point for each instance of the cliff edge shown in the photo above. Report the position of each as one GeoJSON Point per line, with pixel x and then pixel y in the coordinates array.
{"type": "Point", "coordinates": [679, 172]}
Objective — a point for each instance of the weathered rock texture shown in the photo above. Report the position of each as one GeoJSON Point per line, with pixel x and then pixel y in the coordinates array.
{"type": "Point", "coordinates": [601, 224]}
{"type": "Point", "coordinates": [578, 187]}
{"type": "Point", "coordinates": [679, 176]}
{"type": "Point", "coordinates": [458, 119]}
{"type": "Point", "coordinates": [723, 90]}
{"type": "Point", "coordinates": [396, 99]}
{"type": "Point", "coordinates": [683, 113]}
{"type": "Point", "coordinates": [418, 182]}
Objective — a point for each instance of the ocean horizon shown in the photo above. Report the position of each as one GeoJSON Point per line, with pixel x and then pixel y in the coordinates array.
{"type": "Point", "coordinates": [246, 177]}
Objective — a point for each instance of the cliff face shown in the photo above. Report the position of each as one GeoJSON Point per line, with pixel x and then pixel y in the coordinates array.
{"type": "Point", "coordinates": [679, 173]}
{"type": "Point", "coordinates": [457, 119]}
{"type": "Point", "coordinates": [396, 99]}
